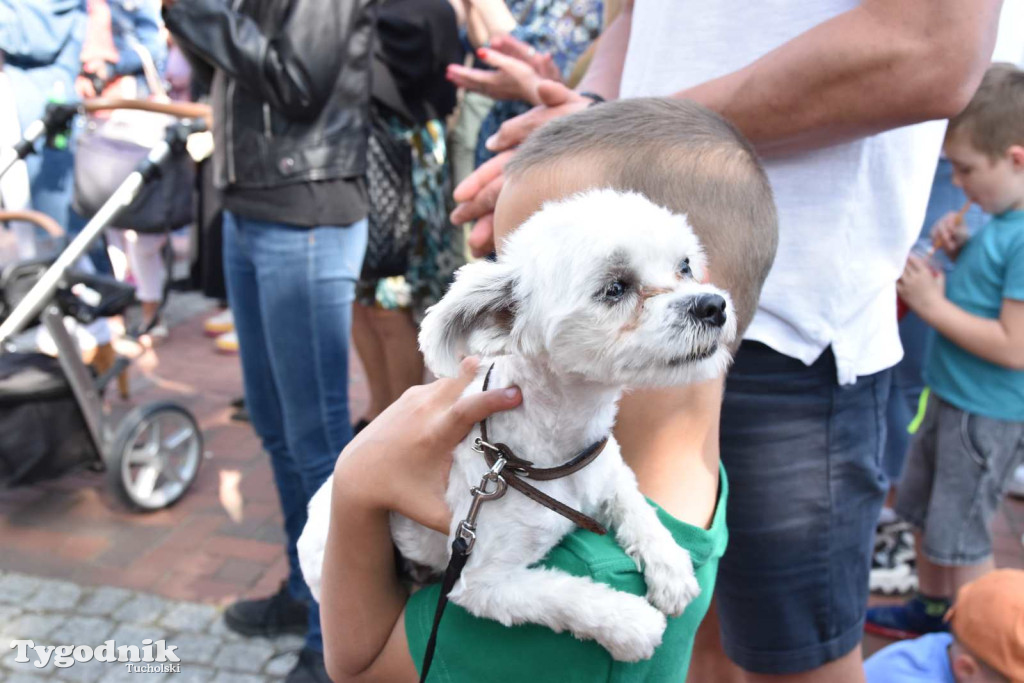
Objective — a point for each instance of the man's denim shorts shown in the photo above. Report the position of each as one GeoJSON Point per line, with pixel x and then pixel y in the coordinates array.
{"type": "Point", "coordinates": [803, 456]}
{"type": "Point", "coordinates": [956, 474]}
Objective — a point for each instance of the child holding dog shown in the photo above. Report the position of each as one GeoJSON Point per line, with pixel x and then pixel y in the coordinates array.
{"type": "Point", "coordinates": [972, 435]}
{"type": "Point", "coordinates": [678, 155]}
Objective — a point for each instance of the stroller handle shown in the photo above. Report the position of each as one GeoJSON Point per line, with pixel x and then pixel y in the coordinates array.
{"type": "Point", "coordinates": [183, 110]}
{"type": "Point", "coordinates": [41, 219]}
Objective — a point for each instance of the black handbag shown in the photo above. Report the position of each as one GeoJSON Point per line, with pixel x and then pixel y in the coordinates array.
{"type": "Point", "coordinates": [390, 193]}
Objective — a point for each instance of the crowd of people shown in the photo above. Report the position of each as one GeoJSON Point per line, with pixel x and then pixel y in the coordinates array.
{"type": "Point", "coordinates": [872, 419]}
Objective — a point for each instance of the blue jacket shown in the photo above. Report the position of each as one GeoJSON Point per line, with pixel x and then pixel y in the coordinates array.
{"type": "Point", "coordinates": [41, 41]}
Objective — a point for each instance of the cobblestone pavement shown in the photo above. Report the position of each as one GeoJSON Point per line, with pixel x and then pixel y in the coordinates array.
{"type": "Point", "coordinates": [55, 612]}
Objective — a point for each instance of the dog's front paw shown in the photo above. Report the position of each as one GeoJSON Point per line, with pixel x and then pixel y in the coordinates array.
{"type": "Point", "coordinates": [671, 582]}
{"type": "Point", "coordinates": [636, 631]}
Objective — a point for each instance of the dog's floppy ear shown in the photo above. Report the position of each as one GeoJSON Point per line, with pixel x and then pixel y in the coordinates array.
{"type": "Point", "coordinates": [474, 317]}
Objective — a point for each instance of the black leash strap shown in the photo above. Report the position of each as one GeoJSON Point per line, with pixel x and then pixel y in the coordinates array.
{"type": "Point", "coordinates": [492, 486]}
{"type": "Point", "coordinates": [460, 553]}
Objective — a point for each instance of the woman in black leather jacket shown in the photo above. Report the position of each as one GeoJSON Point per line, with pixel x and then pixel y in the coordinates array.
{"type": "Point", "coordinates": [290, 92]}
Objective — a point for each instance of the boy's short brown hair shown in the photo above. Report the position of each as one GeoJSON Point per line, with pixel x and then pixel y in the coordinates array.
{"type": "Point", "coordinates": [994, 118]}
{"type": "Point", "coordinates": [686, 158]}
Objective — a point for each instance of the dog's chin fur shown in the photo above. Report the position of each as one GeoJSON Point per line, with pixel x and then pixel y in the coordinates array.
{"type": "Point", "coordinates": [540, 317]}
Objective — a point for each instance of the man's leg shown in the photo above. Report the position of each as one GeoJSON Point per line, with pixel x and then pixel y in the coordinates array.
{"type": "Point", "coordinates": [803, 457]}
{"type": "Point", "coordinates": [307, 285]}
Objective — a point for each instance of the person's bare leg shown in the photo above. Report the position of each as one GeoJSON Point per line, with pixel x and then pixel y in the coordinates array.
{"type": "Point", "coordinates": [370, 348]}
{"type": "Point", "coordinates": [847, 669]}
{"type": "Point", "coordinates": [933, 580]}
{"type": "Point", "coordinates": [962, 575]}
{"type": "Point", "coordinates": [405, 362]}
{"type": "Point", "coordinates": [709, 662]}
{"type": "Point", "coordinates": [149, 311]}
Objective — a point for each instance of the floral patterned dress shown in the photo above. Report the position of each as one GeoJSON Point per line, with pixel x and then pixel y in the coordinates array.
{"type": "Point", "coordinates": [563, 29]}
{"type": "Point", "coordinates": [437, 248]}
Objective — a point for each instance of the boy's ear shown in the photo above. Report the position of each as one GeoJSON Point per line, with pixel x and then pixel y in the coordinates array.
{"type": "Point", "coordinates": [474, 317]}
{"type": "Point", "coordinates": [1016, 156]}
{"type": "Point", "coordinates": [965, 668]}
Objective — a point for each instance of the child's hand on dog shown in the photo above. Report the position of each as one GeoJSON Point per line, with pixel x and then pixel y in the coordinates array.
{"type": "Point", "coordinates": [920, 287]}
{"type": "Point", "coordinates": [400, 462]}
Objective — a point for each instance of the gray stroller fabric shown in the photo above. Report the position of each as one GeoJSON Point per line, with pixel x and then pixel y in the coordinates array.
{"type": "Point", "coordinates": [42, 431]}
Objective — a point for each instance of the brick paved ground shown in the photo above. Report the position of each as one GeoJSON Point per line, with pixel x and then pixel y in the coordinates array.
{"type": "Point", "coordinates": [72, 561]}
{"type": "Point", "coordinates": [73, 529]}
{"type": "Point", "coordinates": [77, 567]}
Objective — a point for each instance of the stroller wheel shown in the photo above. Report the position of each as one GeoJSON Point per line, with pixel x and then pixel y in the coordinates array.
{"type": "Point", "coordinates": [155, 455]}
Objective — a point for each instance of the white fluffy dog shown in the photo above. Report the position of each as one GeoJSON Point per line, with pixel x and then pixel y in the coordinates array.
{"type": "Point", "coordinates": [592, 294]}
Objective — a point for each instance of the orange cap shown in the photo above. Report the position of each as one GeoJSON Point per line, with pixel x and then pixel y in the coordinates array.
{"type": "Point", "coordinates": [988, 618]}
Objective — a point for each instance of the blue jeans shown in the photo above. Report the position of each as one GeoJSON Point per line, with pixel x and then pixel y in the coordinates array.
{"type": "Point", "coordinates": [291, 291]}
{"type": "Point", "coordinates": [803, 456]}
{"type": "Point", "coordinates": [916, 336]}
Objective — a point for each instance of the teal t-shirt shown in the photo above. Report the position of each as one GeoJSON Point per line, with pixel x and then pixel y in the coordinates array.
{"type": "Point", "coordinates": [990, 268]}
{"type": "Point", "coordinates": [474, 650]}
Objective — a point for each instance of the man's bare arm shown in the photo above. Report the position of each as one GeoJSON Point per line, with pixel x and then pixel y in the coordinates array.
{"type": "Point", "coordinates": [881, 65]}
{"type": "Point", "coordinates": [605, 71]}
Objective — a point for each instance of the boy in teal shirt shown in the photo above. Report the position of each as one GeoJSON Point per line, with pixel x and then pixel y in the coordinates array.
{"type": "Point", "coordinates": [680, 156]}
{"type": "Point", "coordinates": [971, 437]}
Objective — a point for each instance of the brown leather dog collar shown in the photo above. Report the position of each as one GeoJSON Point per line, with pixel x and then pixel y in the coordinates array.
{"type": "Point", "coordinates": [516, 468]}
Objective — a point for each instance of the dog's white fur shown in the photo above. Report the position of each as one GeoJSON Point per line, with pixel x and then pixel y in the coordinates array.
{"type": "Point", "coordinates": [540, 315]}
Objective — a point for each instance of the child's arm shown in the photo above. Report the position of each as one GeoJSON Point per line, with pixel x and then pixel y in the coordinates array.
{"type": "Point", "coordinates": [999, 341]}
{"type": "Point", "coordinates": [399, 463]}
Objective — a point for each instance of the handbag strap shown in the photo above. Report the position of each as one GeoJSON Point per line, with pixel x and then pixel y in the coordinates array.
{"type": "Point", "coordinates": [156, 86]}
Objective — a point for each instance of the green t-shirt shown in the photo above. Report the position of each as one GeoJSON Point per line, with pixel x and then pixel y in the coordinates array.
{"type": "Point", "coordinates": [474, 650]}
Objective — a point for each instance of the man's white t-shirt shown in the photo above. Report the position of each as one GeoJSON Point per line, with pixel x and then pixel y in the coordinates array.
{"type": "Point", "coordinates": [848, 214]}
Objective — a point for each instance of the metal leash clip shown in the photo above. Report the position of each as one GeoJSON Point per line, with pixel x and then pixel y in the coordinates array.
{"type": "Point", "coordinates": [481, 493]}
{"type": "Point", "coordinates": [479, 445]}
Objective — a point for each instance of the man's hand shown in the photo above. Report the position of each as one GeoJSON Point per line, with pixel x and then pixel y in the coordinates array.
{"type": "Point", "coordinates": [920, 287]}
{"type": "Point", "coordinates": [477, 195]}
{"type": "Point", "coordinates": [400, 462]}
{"type": "Point", "coordinates": [950, 234]}
{"type": "Point", "coordinates": [513, 78]}
{"type": "Point", "coordinates": [556, 101]}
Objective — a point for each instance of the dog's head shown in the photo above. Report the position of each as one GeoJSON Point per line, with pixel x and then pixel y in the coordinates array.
{"type": "Point", "coordinates": [603, 284]}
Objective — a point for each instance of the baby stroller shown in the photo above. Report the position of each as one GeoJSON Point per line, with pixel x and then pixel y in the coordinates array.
{"type": "Point", "coordinates": [52, 416]}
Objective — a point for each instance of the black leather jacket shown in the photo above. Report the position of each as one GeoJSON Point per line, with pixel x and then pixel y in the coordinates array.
{"type": "Point", "coordinates": [290, 88]}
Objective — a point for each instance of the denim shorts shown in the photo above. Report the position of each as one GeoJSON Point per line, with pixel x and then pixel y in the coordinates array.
{"type": "Point", "coordinates": [803, 456]}
{"type": "Point", "coordinates": [957, 472]}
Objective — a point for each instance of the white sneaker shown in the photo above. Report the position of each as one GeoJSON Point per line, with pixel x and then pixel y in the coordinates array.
{"type": "Point", "coordinates": [893, 563]}
{"type": "Point", "coordinates": [219, 324]}
{"type": "Point", "coordinates": [1016, 488]}
{"type": "Point", "coordinates": [227, 342]}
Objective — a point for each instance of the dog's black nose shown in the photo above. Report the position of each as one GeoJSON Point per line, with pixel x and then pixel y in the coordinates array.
{"type": "Point", "coordinates": [709, 308]}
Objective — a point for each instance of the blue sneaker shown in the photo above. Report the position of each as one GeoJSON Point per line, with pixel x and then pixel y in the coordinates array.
{"type": "Point", "coordinates": [912, 619]}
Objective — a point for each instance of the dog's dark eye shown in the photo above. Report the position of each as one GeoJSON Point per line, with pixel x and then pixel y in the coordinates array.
{"type": "Point", "coordinates": [684, 268]}
{"type": "Point", "coordinates": [615, 290]}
